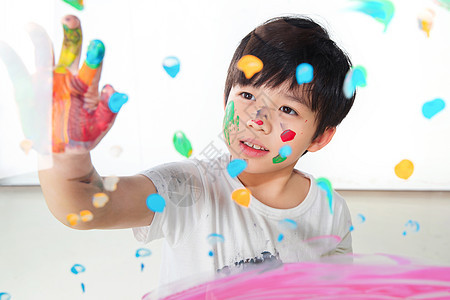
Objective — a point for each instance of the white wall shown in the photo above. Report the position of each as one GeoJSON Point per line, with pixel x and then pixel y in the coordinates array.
{"type": "Point", "coordinates": [37, 251]}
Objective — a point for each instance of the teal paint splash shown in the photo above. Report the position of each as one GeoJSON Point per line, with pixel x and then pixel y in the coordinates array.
{"type": "Point", "coordinates": [95, 54]}
{"type": "Point", "coordinates": [182, 144]}
{"type": "Point", "coordinates": [355, 77]}
{"type": "Point", "coordinates": [325, 184]}
{"type": "Point", "coordinates": [304, 73]}
{"type": "Point", "coordinates": [215, 238]}
{"type": "Point", "coordinates": [360, 218]}
{"type": "Point", "coordinates": [431, 108]}
{"type": "Point", "coordinates": [285, 151]}
{"type": "Point", "coordinates": [229, 120]}
{"type": "Point", "coordinates": [380, 10]}
{"type": "Point", "coordinates": [156, 203]}
{"type": "Point", "coordinates": [143, 252]}
{"type": "Point", "coordinates": [236, 166]}
{"type": "Point", "coordinates": [77, 268]}
{"type": "Point", "coordinates": [83, 288]}
{"type": "Point", "coordinates": [172, 66]}
{"type": "Point", "coordinates": [411, 226]}
{"type": "Point", "coordinates": [5, 296]}
{"type": "Point", "coordinates": [78, 4]}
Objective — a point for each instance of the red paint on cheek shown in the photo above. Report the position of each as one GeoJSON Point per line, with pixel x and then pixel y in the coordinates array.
{"type": "Point", "coordinates": [287, 135]}
{"type": "Point", "coordinates": [259, 122]}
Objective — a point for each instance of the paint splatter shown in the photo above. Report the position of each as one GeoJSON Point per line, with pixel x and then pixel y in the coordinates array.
{"type": "Point", "coordinates": [258, 122]}
{"type": "Point", "coordinates": [287, 135]}
{"type": "Point", "coordinates": [115, 151]}
{"type": "Point", "coordinates": [278, 159]}
{"type": "Point", "coordinates": [355, 77]}
{"type": "Point", "coordinates": [73, 219]}
{"type": "Point", "coordinates": [110, 183]}
{"type": "Point", "coordinates": [411, 226]}
{"type": "Point", "coordinates": [360, 218]}
{"type": "Point", "coordinates": [304, 73]}
{"type": "Point", "coordinates": [241, 196]}
{"type": "Point", "coordinates": [334, 278]}
{"type": "Point", "coordinates": [285, 151]}
{"type": "Point", "coordinates": [156, 203]}
{"type": "Point", "coordinates": [26, 145]}
{"type": "Point", "coordinates": [211, 253]}
{"type": "Point", "coordinates": [425, 19]}
{"type": "Point", "coordinates": [86, 216]}
{"type": "Point", "coordinates": [380, 10]}
{"type": "Point", "coordinates": [230, 122]}
{"type": "Point", "coordinates": [143, 252]}
{"type": "Point", "coordinates": [215, 238]}
{"type": "Point", "coordinates": [236, 166]}
{"type": "Point", "coordinates": [404, 169]}
{"type": "Point", "coordinates": [99, 200]}
{"type": "Point", "coordinates": [284, 226]}
{"type": "Point", "coordinates": [325, 184]}
{"type": "Point", "coordinates": [172, 66]}
{"type": "Point", "coordinates": [116, 101]}
{"type": "Point", "coordinates": [77, 269]}
{"type": "Point", "coordinates": [182, 144]}
{"type": "Point", "coordinates": [5, 296]}
{"type": "Point", "coordinates": [431, 108]}
{"type": "Point", "coordinates": [78, 4]}
{"type": "Point", "coordinates": [250, 65]}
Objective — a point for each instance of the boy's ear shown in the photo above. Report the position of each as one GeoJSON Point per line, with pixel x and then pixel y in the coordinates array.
{"type": "Point", "coordinates": [322, 140]}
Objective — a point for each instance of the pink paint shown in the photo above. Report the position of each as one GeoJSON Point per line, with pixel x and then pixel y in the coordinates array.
{"type": "Point", "coordinates": [259, 122]}
{"type": "Point", "coordinates": [315, 280]}
{"type": "Point", "coordinates": [287, 135]}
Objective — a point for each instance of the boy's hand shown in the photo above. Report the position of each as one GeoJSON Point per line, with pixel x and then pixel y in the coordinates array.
{"type": "Point", "coordinates": [80, 115]}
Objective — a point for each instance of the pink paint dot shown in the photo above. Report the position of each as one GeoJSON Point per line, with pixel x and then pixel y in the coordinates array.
{"type": "Point", "coordinates": [287, 135]}
{"type": "Point", "coordinates": [259, 122]}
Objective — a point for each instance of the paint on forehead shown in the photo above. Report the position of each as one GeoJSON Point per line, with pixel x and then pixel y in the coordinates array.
{"type": "Point", "coordinates": [229, 120]}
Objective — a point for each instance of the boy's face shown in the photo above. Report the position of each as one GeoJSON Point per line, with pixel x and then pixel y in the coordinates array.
{"type": "Point", "coordinates": [269, 119]}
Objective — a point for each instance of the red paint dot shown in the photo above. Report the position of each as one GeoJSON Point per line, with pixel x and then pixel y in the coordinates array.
{"type": "Point", "coordinates": [259, 122]}
{"type": "Point", "coordinates": [287, 135]}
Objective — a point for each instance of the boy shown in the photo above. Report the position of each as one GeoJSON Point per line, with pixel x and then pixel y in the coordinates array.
{"type": "Point", "coordinates": [288, 218]}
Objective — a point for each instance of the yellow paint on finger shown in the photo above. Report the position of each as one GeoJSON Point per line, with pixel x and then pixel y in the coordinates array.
{"type": "Point", "coordinates": [99, 200]}
{"type": "Point", "coordinates": [86, 215]}
{"type": "Point", "coordinates": [250, 65]}
{"type": "Point", "coordinates": [404, 169]}
{"type": "Point", "coordinates": [241, 197]}
{"type": "Point", "coordinates": [73, 219]}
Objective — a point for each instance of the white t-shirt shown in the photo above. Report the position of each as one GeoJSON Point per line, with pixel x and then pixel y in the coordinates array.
{"type": "Point", "coordinates": [198, 203]}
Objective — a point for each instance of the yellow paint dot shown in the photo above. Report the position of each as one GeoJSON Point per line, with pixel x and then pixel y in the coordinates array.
{"type": "Point", "coordinates": [86, 215]}
{"type": "Point", "coordinates": [100, 199]}
{"type": "Point", "coordinates": [250, 65]}
{"type": "Point", "coordinates": [404, 169]}
{"type": "Point", "coordinates": [73, 219]}
{"type": "Point", "coordinates": [241, 197]}
{"type": "Point", "coordinates": [26, 145]}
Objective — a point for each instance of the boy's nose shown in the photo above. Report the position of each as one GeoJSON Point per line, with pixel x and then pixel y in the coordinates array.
{"type": "Point", "coordinates": [259, 125]}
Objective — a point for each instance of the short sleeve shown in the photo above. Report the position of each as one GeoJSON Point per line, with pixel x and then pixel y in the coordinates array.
{"type": "Point", "coordinates": [182, 187]}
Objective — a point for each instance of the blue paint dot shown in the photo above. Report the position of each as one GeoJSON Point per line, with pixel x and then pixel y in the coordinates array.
{"type": "Point", "coordinates": [351, 228]}
{"type": "Point", "coordinates": [236, 166]}
{"type": "Point", "coordinates": [83, 288]}
{"type": "Point", "coordinates": [431, 108]}
{"type": "Point", "coordinates": [215, 238]}
{"type": "Point", "coordinates": [156, 203]}
{"type": "Point", "coordinates": [142, 267]}
{"type": "Point", "coordinates": [287, 224]}
{"type": "Point", "coordinates": [355, 77]}
{"type": "Point", "coordinates": [172, 65]}
{"type": "Point", "coordinates": [285, 151]}
{"type": "Point", "coordinates": [95, 54]}
{"type": "Point", "coordinates": [143, 252]}
{"type": "Point", "coordinates": [77, 268]}
{"type": "Point", "coordinates": [116, 101]}
{"type": "Point", "coordinates": [5, 296]}
{"type": "Point", "coordinates": [280, 237]}
{"type": "Point", "coordinates": [210, 253]}
{"type": "Point", "coordinates": [304, 73]}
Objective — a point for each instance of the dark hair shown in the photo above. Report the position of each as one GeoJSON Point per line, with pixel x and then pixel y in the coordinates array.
{"type": "Point", "coordinates": [282, 44]}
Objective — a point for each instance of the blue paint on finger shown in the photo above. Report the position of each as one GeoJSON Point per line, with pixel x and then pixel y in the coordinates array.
{"type": "Point", "coordinates": [116, 101]}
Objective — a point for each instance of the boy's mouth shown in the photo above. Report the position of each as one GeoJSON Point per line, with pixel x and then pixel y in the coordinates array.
{"type": "Point", "coordinates": [253, 149]}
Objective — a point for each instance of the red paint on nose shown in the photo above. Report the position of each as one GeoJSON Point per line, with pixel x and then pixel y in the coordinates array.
{"type": "Point", "coordinates": [259, 122]}
{"type": "Point", "coordinates": [287, 135]}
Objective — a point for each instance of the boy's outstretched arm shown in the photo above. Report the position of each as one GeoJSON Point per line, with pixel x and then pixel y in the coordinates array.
{"type": "Point", "coordinates": [69, 187]}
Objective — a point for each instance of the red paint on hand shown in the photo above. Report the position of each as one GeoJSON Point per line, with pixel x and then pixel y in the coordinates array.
{"type": "Point", "coordinates": [287, 135]}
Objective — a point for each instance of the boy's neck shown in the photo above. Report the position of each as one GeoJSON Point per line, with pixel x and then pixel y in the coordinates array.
{"type": "Point", "coordinates": [283, 189]}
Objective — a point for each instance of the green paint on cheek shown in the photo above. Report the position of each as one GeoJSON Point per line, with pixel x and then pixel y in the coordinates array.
{"type": "Point", "coordinates": [229, 120]}
{"type": "Point", "coordinates": [278, 159]}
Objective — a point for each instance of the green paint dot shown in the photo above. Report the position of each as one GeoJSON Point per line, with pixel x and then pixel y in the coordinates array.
{"type": "Point", "coordinates": [278, 159]}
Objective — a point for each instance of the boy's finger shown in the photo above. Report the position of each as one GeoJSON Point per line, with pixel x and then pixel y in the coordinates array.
{"type": "Point", "coordinates": [91, 70]}
{"type": "Point", "coordinates": [71, 48]}
{"type": "Point", "coordinates": [43, 49]}
{"type": "Point", "coordinates": [18, 73]}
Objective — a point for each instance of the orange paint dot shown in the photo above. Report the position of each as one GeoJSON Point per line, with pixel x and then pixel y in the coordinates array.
{"type": "Point", "coordinates": [241, 197]}
{"type": "Point", "coordinates": [250, 65]}
{"type": "Point", "coordinates": [86, 215]}
{"type": "Point", "coordinates": [100, 200]}
{"type": "Point", "coordinates": [72, 219]}
{"type": "Point", "coordinates": [404, 169]}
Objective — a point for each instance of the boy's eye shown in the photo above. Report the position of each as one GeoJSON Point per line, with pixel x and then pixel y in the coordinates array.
{"type": "Point", "coordinates": [288, 110]}
{"type": "Point", "coordinates": [248, 96]}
